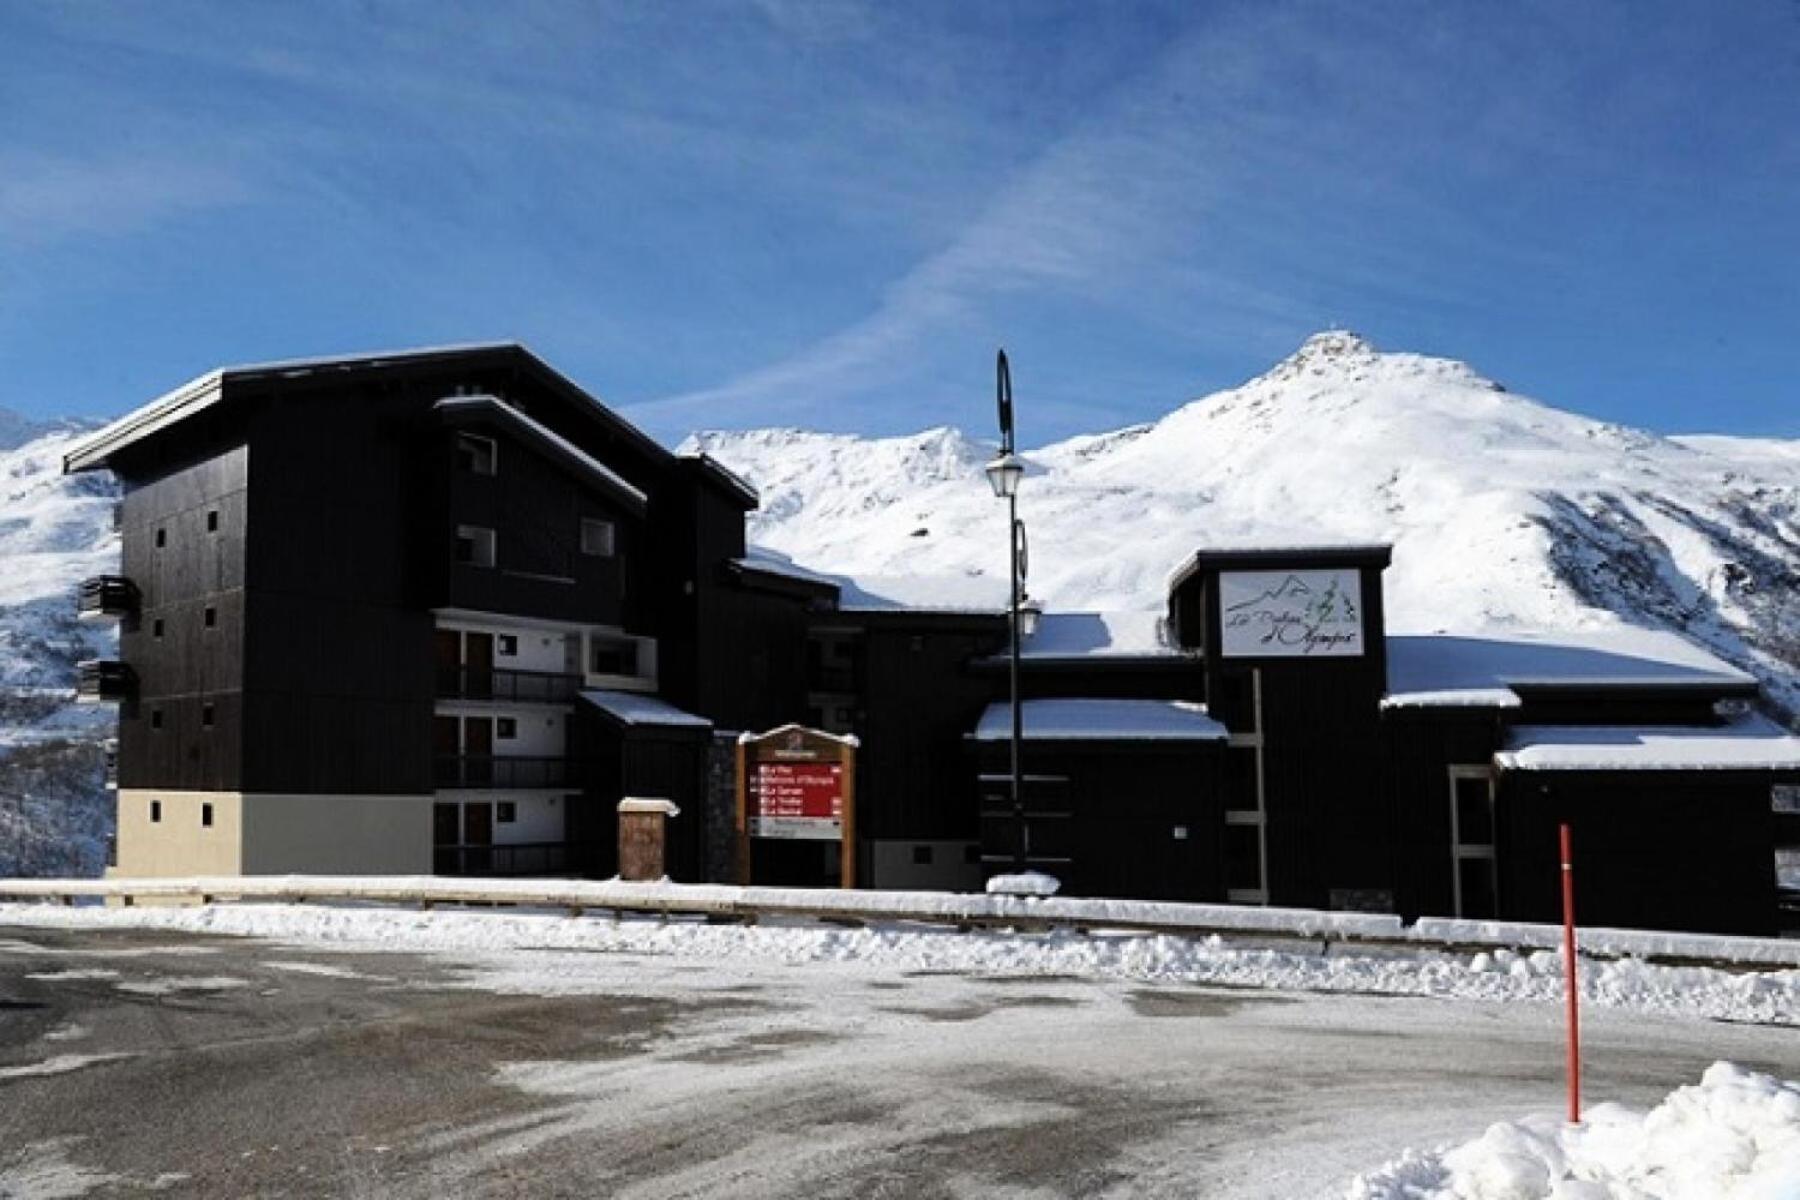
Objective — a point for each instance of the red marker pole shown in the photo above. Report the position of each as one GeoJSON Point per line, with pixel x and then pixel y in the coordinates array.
{"type": "Point", "coordinates": [1569, 985]}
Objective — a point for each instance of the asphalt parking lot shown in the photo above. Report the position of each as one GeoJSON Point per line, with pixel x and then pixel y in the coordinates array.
{"type": "Point", "coordinates": [137, 1062]}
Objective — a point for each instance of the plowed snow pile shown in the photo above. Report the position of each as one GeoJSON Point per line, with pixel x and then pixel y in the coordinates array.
{"type": "Point", "coordinates": [1734, 1136]}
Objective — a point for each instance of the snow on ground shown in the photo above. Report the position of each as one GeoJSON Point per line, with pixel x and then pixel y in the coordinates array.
{"type": "Point", "coordinates": [1733, 1136]}
{"type": "Point", "coordinates": [487, 944]}
{"type": "Point", "coordinates": [59, 1065]}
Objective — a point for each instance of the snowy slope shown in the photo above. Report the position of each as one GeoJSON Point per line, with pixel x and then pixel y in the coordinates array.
{"type": "Point", "coordinates": [1503, 511]}
{"type": "Point", "coordinates": [54, 531]}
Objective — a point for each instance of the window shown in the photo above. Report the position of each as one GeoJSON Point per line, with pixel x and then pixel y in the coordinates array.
{"type": "Point", "coordinates": [921, 856]}
{"type": "Point", "coordinates": [162, 538]}
{"type": "Point", "coordinates": [613, 658]}
{"type": "Point", "coordinates": [212, 520]}
{"type": "Point", "coordinates": [156, 718]}
{"type": "Point", "coordinates": [156, 812]}
{"type": "Point", "coordinates": [1474, 888]}
{"type": "Point", "coordinates": [156, 629]}
{"type": "Point", "coordinates": [506, 728]}
{"type": "Point", "coordinates": [475, 454]}
{"type": "Point", "coordinates": [597, 538]}
{"type": "Point", "coordinates": [211, 617]}
{"type": "Point", "coordinates": [206, 715]}
{"type": "Point", "coordinates": [206, 815]}
{"type": "Point", "coordinates": [506, 812]}
{"type": "Point", "coordinates": [474, 545]}
{"type": "Point", "coordinates": [506, 646]}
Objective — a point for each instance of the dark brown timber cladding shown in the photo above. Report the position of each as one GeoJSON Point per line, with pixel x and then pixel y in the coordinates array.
{"type": "Point", "coordinates": [1639, 837]}
{"type": "Point", "coordinates": [183, 543]}
{"type": "Point", "coordinates": [1135, 819]}
{"type": "Point", "coordinates": [338, 659]}
{"type": "Point", "coordinates": [921, 699]}
{"type": "Point", "coordinates": [1420, 745]}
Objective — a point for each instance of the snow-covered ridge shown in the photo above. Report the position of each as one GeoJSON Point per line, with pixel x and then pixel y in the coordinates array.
{"type": "Point", "coordinates": [54, 532]}
{"type": "Point", "coordinates": [1504, 512]}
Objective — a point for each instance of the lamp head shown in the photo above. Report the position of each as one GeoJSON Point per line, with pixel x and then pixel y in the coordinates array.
{"type": "Point", "coordinates": [1004, 473]}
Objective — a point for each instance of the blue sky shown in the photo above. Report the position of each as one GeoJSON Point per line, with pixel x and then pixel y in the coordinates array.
{"type": "Point", "coordinates": [825, 213]}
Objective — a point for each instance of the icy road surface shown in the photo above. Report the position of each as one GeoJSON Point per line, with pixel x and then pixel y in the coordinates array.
{"type": "Point", "coordinates": [196, 1065]}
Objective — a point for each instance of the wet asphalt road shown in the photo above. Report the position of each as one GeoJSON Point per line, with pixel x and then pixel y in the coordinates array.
{"type": "Point", "coordinates": [151, 1063]}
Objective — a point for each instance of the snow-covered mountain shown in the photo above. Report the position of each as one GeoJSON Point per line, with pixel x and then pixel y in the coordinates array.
{"type": "Point", "coordinates": [55, 814]}
{"type": "Point", "coordinates": [1502, 511]}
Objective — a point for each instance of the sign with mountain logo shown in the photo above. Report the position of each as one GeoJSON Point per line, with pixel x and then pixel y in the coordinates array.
{"type": "Point", "coordinates": [1290, 614]}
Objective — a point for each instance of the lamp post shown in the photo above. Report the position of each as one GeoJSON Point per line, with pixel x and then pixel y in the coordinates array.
{"type": "Point", "coordinates": [1004, 473]}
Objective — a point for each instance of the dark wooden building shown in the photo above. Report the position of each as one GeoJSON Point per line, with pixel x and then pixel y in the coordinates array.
{"type": "Point", "coordinates": [442, 610]}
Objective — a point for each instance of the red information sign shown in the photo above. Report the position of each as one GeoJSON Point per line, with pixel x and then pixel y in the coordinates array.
{"type": "Point", "coordinates": [800, 791]}
{"type": "Point", "coordinates": [798, 784]}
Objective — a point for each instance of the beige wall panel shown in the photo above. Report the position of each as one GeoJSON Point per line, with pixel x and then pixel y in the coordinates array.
{"type": "Point", "coordinates": [178, 844]}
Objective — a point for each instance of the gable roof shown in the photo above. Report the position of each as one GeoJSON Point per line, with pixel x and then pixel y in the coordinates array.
{"type": "Point", "coordinates": [218, 386]}
{"type": "Point", "coordinates": [547, 441]}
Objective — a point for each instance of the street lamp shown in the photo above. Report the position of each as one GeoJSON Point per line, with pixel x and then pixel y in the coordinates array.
{"type": "Point", "coordinates": [1005, 473]}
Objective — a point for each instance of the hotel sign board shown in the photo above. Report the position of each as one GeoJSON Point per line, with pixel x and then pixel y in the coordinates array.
{"type": "Point", "coordinates": [1290, 614]}
{"type": "Point", "coordinates": [797, 784]}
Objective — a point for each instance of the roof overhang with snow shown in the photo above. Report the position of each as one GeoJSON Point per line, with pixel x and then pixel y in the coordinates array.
{"type": "Point", "coordinates": [1500, 669]}
{"type": "Point", "coordinates": [1098, 639]}
{"type": "Point", "coordinates": [1102, 721]}
{"type": "Point", "coordinates": [494, 411]}
{"type": "Point", "coordinates": [635, 709]}
{"type": "Point", "coordinates": [197, 395]}
{"type": "Point", "coordinates": [1749, 743]}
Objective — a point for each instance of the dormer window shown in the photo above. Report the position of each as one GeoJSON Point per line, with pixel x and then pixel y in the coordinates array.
{"type": "Point", "coordinates": [476, 454]}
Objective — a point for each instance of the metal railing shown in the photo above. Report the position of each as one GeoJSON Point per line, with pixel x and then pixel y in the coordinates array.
{"type": "Point", "coordinates": [106, 596]}
{"type": "Point", "coordinates": [519, 687]}
{"type": "Point", "coordinates": [507, 771]}
{"type": "Point", "coordinates": [104, 679]}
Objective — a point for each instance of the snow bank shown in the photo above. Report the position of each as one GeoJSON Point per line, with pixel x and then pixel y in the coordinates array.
{"type": "Point", "coordinates": [1733, 1136]}
{"type": "Point", "coordinates": [545, 954]}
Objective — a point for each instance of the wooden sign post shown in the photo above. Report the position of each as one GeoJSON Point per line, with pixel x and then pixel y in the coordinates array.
{"type": "Point", "coordinates": [797, 784]}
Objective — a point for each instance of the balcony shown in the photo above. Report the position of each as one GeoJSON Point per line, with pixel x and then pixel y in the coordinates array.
{"type": "Point", "coordinates": [525, 858]}
{"type": "Point", "coordinates": [104, 680]}
{"type": "Point", "coordinates": [512, 687]}
{"type": "Point", "coordinates": [106, 598]}
{"type": "Point", "coordinates": [504, 773]}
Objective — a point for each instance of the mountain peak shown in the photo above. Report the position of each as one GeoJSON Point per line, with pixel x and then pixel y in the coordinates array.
{"type": "Point", "coordinates": [1334, 344]}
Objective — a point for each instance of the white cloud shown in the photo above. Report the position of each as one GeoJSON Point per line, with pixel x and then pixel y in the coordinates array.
{"type": "Point", "coordinates": [42, 199]}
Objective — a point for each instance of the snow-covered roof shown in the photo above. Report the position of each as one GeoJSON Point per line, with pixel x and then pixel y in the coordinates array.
{"type": "Point", "coordinates": [205, 390]}
{"type": "Point", "coordinates": [548, 439]}
{"type": "Point", "coordinates": [772, 562]}
{"type": "Point", "coordinates": [1749, 743]}
{"type": "Point", "coordinates": [1068, 635]}
{"type": "Point", "coordinates": [1480, 670]}
{"type": "Point", "coordinates": [1103, 721]}
{"type": "Point", "coordinates": [635, 708]}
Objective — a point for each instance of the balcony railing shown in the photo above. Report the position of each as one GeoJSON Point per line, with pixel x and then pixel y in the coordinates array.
{"type": "Point", "coordinates": [517, 687]}
{"type": "Point", "coordinates": [104, 680]}
{"type": "Point", "coordinates": [508, 772]}
{"type": "Point", "coordinates": [106, 598]}
{"type": "Point", "coordinates": [526, 858]}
